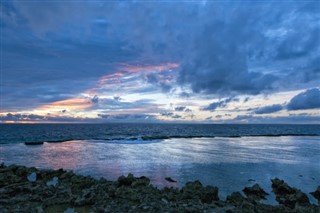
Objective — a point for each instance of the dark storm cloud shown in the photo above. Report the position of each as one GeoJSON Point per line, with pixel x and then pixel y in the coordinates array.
{"type": "Point", "coordinates": [310, 99]}
{"type": "Point", "coordinates": [223, 48]}
{"type": "Point", "coordinates": [213, 106]}
{"type": "Point", "coordinates": [268, 109]}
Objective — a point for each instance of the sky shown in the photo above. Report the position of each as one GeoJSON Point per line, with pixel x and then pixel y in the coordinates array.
{"type": "Point", "coordinates": [160, 61]}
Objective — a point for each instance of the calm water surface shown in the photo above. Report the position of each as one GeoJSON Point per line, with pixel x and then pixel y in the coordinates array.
{"type": "Point", "coordinates": [228, 163]}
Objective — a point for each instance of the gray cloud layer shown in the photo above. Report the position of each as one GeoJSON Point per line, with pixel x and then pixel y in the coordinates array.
{"type": "Point", "coordinates": [309, 99]}
{"type": "Point", "coordinates": [269, 109]}
{"type": "Point", "coordinates": [223, 103]}
{"type": "Point", "coordinates": [54, 50]}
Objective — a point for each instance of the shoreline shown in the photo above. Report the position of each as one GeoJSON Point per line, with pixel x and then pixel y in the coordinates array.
{"type": "Point", "coordinates": [27, 189]}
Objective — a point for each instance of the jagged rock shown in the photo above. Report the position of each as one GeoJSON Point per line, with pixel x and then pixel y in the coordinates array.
{"type": "Point", "coordinates": [85, 198]}
{"type": "Point", "coordinates": [66, 175]}
{"type": "Point", "coordinates": [141, 181]}
{"type": "Point", "coordinates": [128, 194]}
{"type": "Point", "coordinates": [287, 195]}
{"type": "Point", "coordinates": [255, 192]}
{"type": "Point", "coordinates": [236, 198]}
{"type": "Point", "coordinates": [209, 194]}
{"type": "Point", "coordinates": [316, 194]}
{"type": "Point", "coordinates": [127, 181]}
{"type": "Point", "coordinates": [194, 189]}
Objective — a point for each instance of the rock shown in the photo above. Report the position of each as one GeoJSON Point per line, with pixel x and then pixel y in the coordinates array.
{"type": "Point", "coordinates": [164, 201]}
{"type": "Point", "coordinates": [169, 179]}
{"type": "Point", "coordinates": [32, 177]}
{"type": "Point", "coordinates": [236, 198]}
{"type": "Point", "coordinates": [69, 210]}
{"type": "Point", "coordinates": [40, 209]}
{"type": "Point", "coordinates": [67, 175]}
{"type": "Point", "coordinates": [209, 194]}
{"type": "Point", "coordinates": [86, 198]}
{"type": "Point", "coordinates": [287, 195]}
{"type": "Point", "coordinates": [255, 192]}
{"type": "Point", "coordinates": [126, 181]}
{"type": "Point", "coordinates": [33, 143]}
{"type": "Point", "coordinates": [279, 187]}
{"type": "Point", "coordinates": [195, 189]}
{"type": "Point", "coordinates": [131, 194]}
{"type": "Point", "coordinates": [141, 181]}
{"type": "Point", "coordinates": [316, 194]}
{"type": "Point", "coordinates": [22, 171]}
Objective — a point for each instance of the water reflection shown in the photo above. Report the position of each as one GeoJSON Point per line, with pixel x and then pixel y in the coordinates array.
{"type": "Point", "coordinates": [224, 162]}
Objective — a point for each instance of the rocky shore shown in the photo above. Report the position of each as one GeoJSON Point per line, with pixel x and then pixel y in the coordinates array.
{"type": "Point", "coordinates": [25, 189]}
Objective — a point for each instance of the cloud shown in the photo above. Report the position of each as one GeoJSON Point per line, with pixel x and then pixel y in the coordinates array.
{"type": "Point", "coordinates": [213, 50]}
{"type": "Point", "coordinates": [184, 95]}
{"type": "Point", "coordinates": [223, 56]}
{"type": "Point", "coordinates": [296, 119]}
{"type": "Point", "coordinates": [268, 109]}
{"type": "Point", "coordinates": [102, 118]}
{"type": "Point", "coordinates": [128, 117]}
{"type": "Point", "coordinates": [95, 99]}
{"type": "Point", "coordinates": [170, 115]}
{"type": "Point", "coordinates": [309, 99]}
{"type": "Point", "coordinates": [180, 109]}
{"type": "Point", "coordinates": [117, 98]}
{"type": "Point", "coordinates": [221, 104]}
{"type": "Point", "coordinates": [246, 99]}
{"type": "Point", "coordinates": [18, 117]}
{"type": "Point", "coordinates": [115, 104]}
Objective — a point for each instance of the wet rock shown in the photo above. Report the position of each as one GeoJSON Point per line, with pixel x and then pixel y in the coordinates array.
{"type": "Point", "coordinates": [288, 196]}
{"type": "Point", "coordinates": [85, 198]}
{"type": "Point", "coordinates": [33, 143]}
{"type": "Point", "coordinates": [255, 192]}
{"type": "Point", "coordinates": [67, 175]}
{"type": "Point", "coordinates": [209, 194]}
{"type": "Point", "coordinates": [236, 198]}
{"type": "Point", "coordinates": [22, 171]}
{"type": "Point", "coordinates": [316, 194]}
{"type": "Point", "coordinates": [130, 194]}
{"type": "Point", "coordinates": [126, 181]}
{"type": "Point", "coordinates": [141, 181]}
{"type": "Point", "coordinates": [195, 189]}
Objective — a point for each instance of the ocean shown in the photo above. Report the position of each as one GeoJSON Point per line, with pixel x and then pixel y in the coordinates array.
{"type": "Point", "coordinates": [227, 156]}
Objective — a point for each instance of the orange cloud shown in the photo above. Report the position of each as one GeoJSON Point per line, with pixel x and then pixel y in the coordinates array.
{"type": "Point", "coordinates": [126, 71]}
{"type": "Point", "coordinates": [68, 104]}
{"type": "Point", "coordinates": [150, 68]}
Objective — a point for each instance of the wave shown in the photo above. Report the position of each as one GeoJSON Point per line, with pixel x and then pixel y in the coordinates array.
{"type": "Point", "coordinates": [153, 139]}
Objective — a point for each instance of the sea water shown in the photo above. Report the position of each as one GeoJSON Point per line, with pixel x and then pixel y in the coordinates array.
{"type": "Point", "coordinates": [227, 156]}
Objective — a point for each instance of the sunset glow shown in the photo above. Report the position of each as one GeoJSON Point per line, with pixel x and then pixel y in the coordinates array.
{"type": "Point", "coordinates": [207, 62]}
